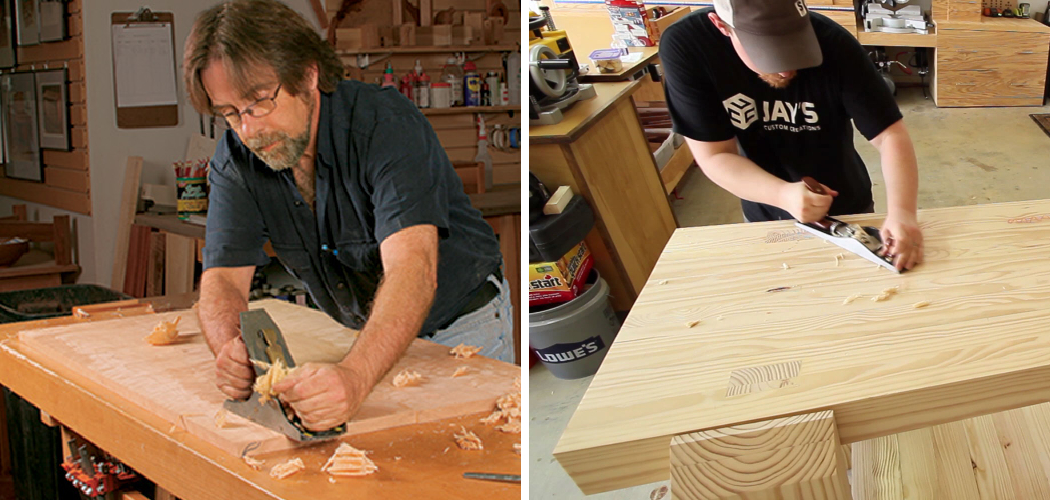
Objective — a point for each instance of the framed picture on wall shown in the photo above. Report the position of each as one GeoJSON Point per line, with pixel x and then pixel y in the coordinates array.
{"type": "Point", "coordinates": [21, 144]}
{"type": "Point", "coordinates": [27, 20]}
{"type": "Point", "coordinates": [53, 109]}
{"type": "Point", "coordinates": [7, 36]}
{"type": "Point", "coordinates": [52, 20]}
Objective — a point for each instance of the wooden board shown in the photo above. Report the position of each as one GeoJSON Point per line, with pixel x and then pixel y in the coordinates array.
{"type": "Point", "coordinates": [177, 381]}
{"type": "Point", "coordinates": [980, 346]}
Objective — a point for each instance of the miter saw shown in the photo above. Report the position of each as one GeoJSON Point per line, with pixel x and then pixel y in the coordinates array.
{"type": "Point", "coordinates": [553, 72]}
{"type": "Point", "coordinates": [893, 16]}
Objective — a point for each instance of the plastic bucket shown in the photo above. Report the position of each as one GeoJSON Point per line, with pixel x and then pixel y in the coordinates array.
{"type": "Point", "coordinates": [572, 339]}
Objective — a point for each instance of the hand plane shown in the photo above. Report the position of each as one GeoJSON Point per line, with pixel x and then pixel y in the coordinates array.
{"type": "Point", "coordinates": [861, 240]}
{"type": "Point", "coordinates": [266, 346]}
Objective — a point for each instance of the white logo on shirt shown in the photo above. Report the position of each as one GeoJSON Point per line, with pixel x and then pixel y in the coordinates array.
{"type": "Point", "coordinates": [742, 111]}
{"type": "Point", "coordinates": [776, 115]}
{"type": "Point", "coordinates": [801, 6]}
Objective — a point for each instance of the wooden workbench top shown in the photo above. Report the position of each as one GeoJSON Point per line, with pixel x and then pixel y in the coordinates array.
{"type": "Point", "coordinates": [966, 334]}
{"type": "Point", "coordinates": [582, 114]}
{"type": "Point", "coordinates": [415, 461]}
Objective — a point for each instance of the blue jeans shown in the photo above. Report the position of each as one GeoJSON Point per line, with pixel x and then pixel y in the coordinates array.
{"type": "Point", "coordinates": [490, 327]}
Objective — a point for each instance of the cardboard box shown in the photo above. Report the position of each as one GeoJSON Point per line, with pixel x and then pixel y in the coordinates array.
{"type": "Point", "coordinates": [560, 281]}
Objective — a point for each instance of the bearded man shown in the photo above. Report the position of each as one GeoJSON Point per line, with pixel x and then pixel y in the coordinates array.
{"type": "Point", "coordinates": [353, 190]}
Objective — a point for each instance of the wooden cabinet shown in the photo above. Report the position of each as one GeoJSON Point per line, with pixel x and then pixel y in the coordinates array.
{"type": "Point", "coordinates": [994, 62]}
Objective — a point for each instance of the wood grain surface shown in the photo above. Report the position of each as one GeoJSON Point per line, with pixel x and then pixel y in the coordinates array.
{"type": "Point", "coordinates": [883, 367]}
{"type": "Point", "coordinates": [177, 381]}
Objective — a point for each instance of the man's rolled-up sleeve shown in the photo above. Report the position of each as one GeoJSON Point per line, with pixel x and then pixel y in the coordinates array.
{"type": "Point", "coordinates": [408, 171]}
{"type": "Point", "coordinates": [235, 231]}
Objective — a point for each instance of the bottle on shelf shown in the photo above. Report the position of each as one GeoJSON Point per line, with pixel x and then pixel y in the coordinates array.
{"type": "Point", "coordinates": [388, 77]}
{"type": "Point", "coordinates": [471, 85]}
{"type": "Point", "coordinates": [440, 95]}
{"type": "Point", "coordinates": [423, 91]}
{"type": "Point", "coordinates": [483, 151]}
{"type": "Point", "coordinates": [407, 87]}
{"type": "Point", "coordinates": [453, 75]}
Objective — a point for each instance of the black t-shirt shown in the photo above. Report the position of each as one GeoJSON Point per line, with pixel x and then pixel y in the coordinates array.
{"type": "Point", "coordinates": [800, 130]}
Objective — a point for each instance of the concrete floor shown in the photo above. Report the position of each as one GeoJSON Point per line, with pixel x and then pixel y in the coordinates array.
{"type": "Point", "coordinates": [966, 156]}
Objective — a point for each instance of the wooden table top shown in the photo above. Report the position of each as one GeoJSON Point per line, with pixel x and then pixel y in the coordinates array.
{"type": "Point", "coordinates": [965, 334]}
{"type": "Point", "coordinates": [416, 461]}
{"type": "Point", "coordinates": [583, 114]}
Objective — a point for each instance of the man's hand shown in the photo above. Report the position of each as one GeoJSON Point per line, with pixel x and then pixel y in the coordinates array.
{"type": "Point", "coordinates": [803, 204]}
{"type": "Point", "coordinates": [323, 395]}
{"type": "Point", "coordinates": [233, 372]}
{"type": "Point", "coordinates": [903, 240]}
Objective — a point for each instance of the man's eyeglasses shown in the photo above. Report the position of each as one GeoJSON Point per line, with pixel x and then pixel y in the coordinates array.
{"type": "Point", "coordinates": [258, 109]}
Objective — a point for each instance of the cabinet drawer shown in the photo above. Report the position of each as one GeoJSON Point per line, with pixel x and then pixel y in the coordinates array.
{"type": "Point", "coordinates": [984, 57]}
{"type": "Point", "coordinates": [990, 40]}
{"type": "Point", "coordinates": [990, 88]}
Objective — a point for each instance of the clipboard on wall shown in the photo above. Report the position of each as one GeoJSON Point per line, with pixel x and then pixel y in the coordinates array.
{"type": "Point", "coordinates": [144, 85]}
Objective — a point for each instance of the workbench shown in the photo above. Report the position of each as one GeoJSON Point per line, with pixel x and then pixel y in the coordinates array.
{"type": "Point", "coordinates": [416, 461]}
{"type": "Point", "coordinates": [600, 151]}
{"type": "Point", "coordinates": [758, 344]}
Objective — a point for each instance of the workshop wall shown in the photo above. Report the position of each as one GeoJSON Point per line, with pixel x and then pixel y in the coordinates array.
{"type": "Point", "coordinates": [110, 146]}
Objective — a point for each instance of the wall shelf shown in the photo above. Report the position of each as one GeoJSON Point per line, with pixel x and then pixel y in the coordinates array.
{"type": "Point", "coordinates": [469, 109]}
{"type": "Point", "coordinates": [511, 47]}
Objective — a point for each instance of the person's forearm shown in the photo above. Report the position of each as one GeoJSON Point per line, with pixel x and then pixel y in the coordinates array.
{"type": "Point", "coordinates": [401, 305]}
{"type": "Point", "coordinates": [743, 178]}
{"type": "Point", "coordinates": [901, 172]}
{"type": "Point", "coordinates": [219, 309]}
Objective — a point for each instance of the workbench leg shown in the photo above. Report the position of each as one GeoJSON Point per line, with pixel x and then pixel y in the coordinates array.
{"type": "Point", "coordinates": [797, 457]}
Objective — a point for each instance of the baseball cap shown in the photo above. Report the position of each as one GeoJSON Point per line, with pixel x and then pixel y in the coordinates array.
{"type": "Point", "coordinates": [776, 34]}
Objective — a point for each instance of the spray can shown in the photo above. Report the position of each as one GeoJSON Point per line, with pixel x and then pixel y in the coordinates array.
{"type": "Point", "coordinates": [471, 85]}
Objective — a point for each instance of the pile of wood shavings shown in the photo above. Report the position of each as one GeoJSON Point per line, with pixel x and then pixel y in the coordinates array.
{"type": "Point", "coordinates": [407, 377]}
{"type": "Point", "coordinates": [464, 351]}
{"type": "Point", "coordinates": [274, 374]}
{"type": "Point", "coordinates": [349, 461]}
{"type": "Point", "coordinates": [166, 332]}
{"type": "Point", "coordinates": [281, 471]}
{"type": "Point", "coordinates": [468, 440]}
{"type": "Point", "coordinates": [508, 408]}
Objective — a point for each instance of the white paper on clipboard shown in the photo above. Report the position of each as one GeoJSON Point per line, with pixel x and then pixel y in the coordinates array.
{"type": "Point", "coordinates": [144, 64]}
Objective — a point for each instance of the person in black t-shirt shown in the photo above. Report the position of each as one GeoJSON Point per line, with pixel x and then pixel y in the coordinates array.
{"type": "Point", "coordinates": [764, 92]}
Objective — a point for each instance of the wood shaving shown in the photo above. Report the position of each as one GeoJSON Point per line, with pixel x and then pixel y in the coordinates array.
{"type": "Point", "coordinates": [513, 426]}
{"type": "Point", "coordinates": [850, 299]}
{"type": "Point", "coordinates": [281, 471]}
{"type": "Point", "coordinates": [220, 418]}
{"type": "Point", "coordinates": [407, 377]}
{"type": "Point", "coordinates": [886, 294]}
{"type": "Point", "coordinates": [661, 282]}
{"type": "Point", "coordinates": [692, 323]}
{"type": "Point", "coordinates": [460, 371]}
{"type": "Point", "coordinates": [264, 383]}
{"type": "Point", "coordinates": [720, 317]}
{"type": "Point", "coordinates": [920, 305]}
{"type": "Point", "coordinates": [517, 448]}
{"type": "Point", "coordinates": [464, 351]}
{"type": "Point", "coordinates": [838, 260]}
{"type": "Point", "coordinates": [166, 332]}
{"type": "Point", "coordinates": [492, 418]}
{"type": "Point", "coordinates": [349, 461]}
{"type": "Point", "coordinates": [254, 463]}
{"type": "Point", "coordinates": [468, 440]}
{"type": "Point", "coordinates": [785, 266]}
{"type": "Point", "coordinates": [331, 480]}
